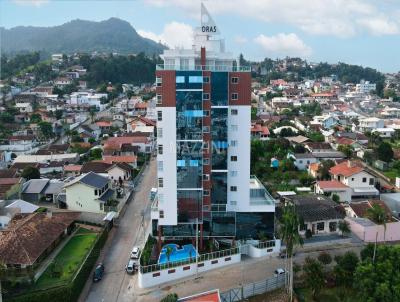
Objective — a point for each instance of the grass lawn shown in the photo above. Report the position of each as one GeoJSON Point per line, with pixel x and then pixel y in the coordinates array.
{"type": "Point", "coordinates": [68, 259]}
{"type": "Point", "coordinates": [328, 295]}
{"type": "Point", "coordinates": [392, 174]}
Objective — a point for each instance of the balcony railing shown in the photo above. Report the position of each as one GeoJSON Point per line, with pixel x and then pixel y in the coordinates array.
{"type": "Point", "coordinates": [205, 68]}
{"type": "Point", "coordinates": [200, 258]}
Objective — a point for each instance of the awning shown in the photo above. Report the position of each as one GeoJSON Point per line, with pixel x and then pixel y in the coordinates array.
{"type": "Point", "coordinates": [365, 191]}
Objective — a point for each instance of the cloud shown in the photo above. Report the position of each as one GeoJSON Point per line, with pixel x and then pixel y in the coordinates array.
{"type": "Point", "coordinates": [283, 45]}
{"type": "Point", "coordinates": [239, 39]}
{"type": "Point", "coordinates": [36, 3]}
{"type": "Point", "coordinates": [174, 34]}
{"type": "Point", "coordinates": [317, 17]}
{"type": "Point", "coordinates": [380, 26]}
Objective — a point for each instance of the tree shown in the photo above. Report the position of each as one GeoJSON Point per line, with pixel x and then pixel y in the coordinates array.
{"type": "Point", "coordinates": [30, 172]}
{"type": "Point", "coordinates": [173, 297]}
{"type": "Point", "coordinates": [324, 168]}
{"type": "Point", "coordinates": [36, 118]}
{"type": "Point", "coordinates": [96, 153]}
{"type": "Point", "coordinates": [346, 149]}
{"type": "Point", "coordinates": [58, 114]}
{"type": "Point", "coordinates": [385, 152]}
{"type": "Point", "coordinates": [46, 129]}
{"type": "Point", "coordinates": [378, 215]}
{"type": "Point", "coordinates": [325, 258]}
{"type": "Point", "coordinates": [335, 198]}
{"type": "Point", "coordinates": [345, 267]}
{"type": "Point", "coordinates": [92, 114]}
{"type": "Point", "coordinates": [289, 233]}
{"type": "Point", "coordinates": [344, 227]}
{"type": "Point", "coordinates": [168, 252]}
{"type": "Point", "coordinates": [313, 276]}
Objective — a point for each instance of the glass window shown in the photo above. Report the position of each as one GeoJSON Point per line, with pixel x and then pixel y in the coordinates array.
{"type": "Point", "coordinates": [195, 79]}
{"type": "Point", "coordinates": [371, 181]}
{"type": "Point", "coordinates": [234, 111]}
{"type": "Point", "coordinates": [233, 173]}
{"type": "Point", "coordinates": [321, 226]}
{"type": "Point", "coordinates": [206, 79]}
{"type": "Point", "coordinates": [234, 80]}
{"type": "Point", "coordinates": [206, 193]}
{"type": "Point", "coordinates": [234, 143]}
{"type": "Point", "coordinates": [160, 165]}
{"type": "Point", "coordinates": [332, 226]}
{"type": "Point", "coordinates": [159, 99]}
{"type": "Point", "coordinates": [234, 96]}
{"type": "Point", "coordinates": [180, 163]}
{"type": "Point", "coordinates": [233, 202]}
{"type": "Point", "coordinates": [233, 188]}
{"type": "Point", "coordinates": [159, 132]}
{"type": "Point", "coordinates": [161, 213]}
{"type": "Point", "coordinates": [206, 161]}
{"type": "Point", "coordinates": [160, 182]}
{"type": "Point", "coordinates": [159, 115]}
{"type": "Point", "coordinates": [206, 96]}
{"type": "Point", "coordinates": [364, 179]}
{"type": "Point", "coordinates": [180, 79]}
{"type": "Point", "coordinates": [234, 127]}
{"type": "Point", "coordinates": [206, 112]}
{"type": "Point", "coordinates": [233, 158]}
{"type": "Point", "coordinates": [206, 176]}
{"type": "Point", "coordinates": [206, 129]}
{"type": "Point", "coordinates": [160, 149]}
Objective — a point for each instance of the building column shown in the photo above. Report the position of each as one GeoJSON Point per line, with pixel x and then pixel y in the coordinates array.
{"type": "Point", "coordinates": [159, 241]}
{"type": "Point", "coordinates": [201, 237]}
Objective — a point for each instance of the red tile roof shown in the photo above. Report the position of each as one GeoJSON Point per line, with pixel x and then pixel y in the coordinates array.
{"type": "Point", "coordinates": [103, 124]}
{"type": "Point", "coordinates": [72, 168]}
{"type": "Point", "coordinates": [331, 184]}
{"type": "Point", "coordinates": [346, 169]}
{"type": "Point", "coordinates": [314, 167]}
{"type": "Point", "coordinates": [344, 141]}
{"type": "Point", "coordinates": [120, 159]}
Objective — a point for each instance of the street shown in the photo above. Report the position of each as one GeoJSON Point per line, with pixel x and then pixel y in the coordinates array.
{"type": "Point", "coordinates": [117, 285]}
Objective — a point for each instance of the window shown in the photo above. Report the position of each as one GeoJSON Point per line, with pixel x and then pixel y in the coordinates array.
{"type": "Point", "coordinates": [234, 173]}
{"type": "Point", "coordinates": [233, 202]}
{"type": "Point", "coordinates": [352, 179]}
{"type": "Point", "coordinates": [206, 79]}
{"type": "Point", "coordinates": [234, 111]}
{"type": "Point", "coordinates": [234, 143]}
{"type": "Point", "coordinates": [160, 197]}
{"type": "Point", "coordinates": [206, 112]}
{"type": "Point", "coordinates": [364, 179]}
{"type": "Point", "coordinates": [234, 96]}
{"type": "Point", "coordinates": [233, 158]}
{"type": "Point", "coordinates": [159, 132]}
{"type": "Point", "coordinates": [161, 213]}
{"type": "Point", "coordinates": [195, 79]}
{"type": "Point", "coordinates": [321, 226]}
{"type": "Point", "coordinates": [180, 79]}
{"type": "Point", "coordinates": [206, 161]}
{"type": "Point", "coordinates": [233, 188]}
{"type": "Point", "coordinates": [206, 176]}
{"type": "Point", "coordinates": [96, 193]}
{"type": "Point", "coordinates": [332, 226]}
{"type": "Point", "coordinates": [206, 193]}
{"type": "Point", "coordinates": [101, 207]}
{"type": "Point", "coordinates": [159, 115]}
{"type": "Point", "coordinates": [302, 227]}
{"type": "Point", "coordinates": [206, 129]}
{"type": "Point", "coordinates": [234, 127]}
{"type": "Point", "coordinates": [160, 182]}
{"type": "Point", "coordinates": [234, 80]}
{"type": "Point", "coordinates": [205, 145]}
{"type": "Point", "coordinates": [300, 161]}
{"type": "Point", "coordinates": [160, 149]}
{"type": "Point", "coordinates": [206, 96]}
{"type": "Point", "coordinates": [158, 81]}
{"type": "Point", "coordinates": [371, 181]}
{"type": "Point", "coordinates": [159, 99]}
{"type": "Point", "coordinates": [160, 165]}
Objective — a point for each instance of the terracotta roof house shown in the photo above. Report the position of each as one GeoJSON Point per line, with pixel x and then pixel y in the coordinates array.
{"type": "Point", "coordinates": [331, 187]}
{"type": "Point", "coordinates": [9, 187]}
{"type": "Point", "coordinates": [8, 173]}
{"type": "Point", "coordinates": [359, 209]}
{"type": "Point", "coordinates": [353, 174]}
{"type": "Point", "coordinates": [29, 238]}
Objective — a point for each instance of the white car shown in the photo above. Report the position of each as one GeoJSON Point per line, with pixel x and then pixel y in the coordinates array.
{"type": "Point", "coordinates": [135, 253]}
{"type": "Point", "coordinates": [130, 267]}
{"type": "Point", "coordinates": [279, 271]}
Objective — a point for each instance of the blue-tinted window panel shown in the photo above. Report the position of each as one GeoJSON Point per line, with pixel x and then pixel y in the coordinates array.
{"type": "Point", "coordinates": [220, 144]}
{"type": "Point", "coordinates": [195, 79]}
{"type": "Point", "coordinates": [193, 113]}
{"type": "Point", "coordinates": [194, 163]}
{"type": "Point", "coordinates": [219, 89]}
{"type": "Point", "coordinates": [219, 182]}
{"type": "Point", "coordinates": [180, 79]}
{"type": "Point", "coordinates": [180, 163]}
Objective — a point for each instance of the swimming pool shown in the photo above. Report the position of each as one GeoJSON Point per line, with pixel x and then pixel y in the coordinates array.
{"type": "Point", "coordinates": [177, 254]}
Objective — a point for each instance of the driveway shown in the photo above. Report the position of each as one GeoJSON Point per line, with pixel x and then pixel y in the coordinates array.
{"type": "Point", "coordinates": [116, 284]}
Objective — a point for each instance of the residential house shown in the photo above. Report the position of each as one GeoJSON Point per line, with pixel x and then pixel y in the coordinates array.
{"type": "Point", "coordinates": [259, 132]}
{"type": "Point", "coordinates": [72, 170]}
{"type": "Point", "coordinates": [327, 121]}
{"type": "Point", "coordinates": [303, 160]}
{"type": "Point", "coordinates": [9, 187]}
{"type": "Point", "coordinates": [89, 192]}
{"type": "Point", "coordinates": [40, 190]}
{"type": "Point", "coordinates": [330, 187]}
{"type": "Point", "coordinates": [318, 147]}
{"type": "Point", "coordinates": [115, 171]}
{"type": "Point", "coordinates": [66, 158]}
{"type": "Point", "coordinates": [62, 82]}
{"type": "Point", "coordinates": [384, 132]}
{"type": "Point", "coordinates": [353, 175]}
{"type": "Point", "coordinates": [370, 123]}
{"type": "Point", "coordinates": [143, 142]}
{"type": "Point", "coordinates": [320, 214]}
{"type": "Point", "coordinates": [131, 160]}
{"type": "Point", "coordinates": [24, 107]}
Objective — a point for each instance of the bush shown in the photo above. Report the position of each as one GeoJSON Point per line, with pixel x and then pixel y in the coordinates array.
{"type": "Point", "coordinates": [324, 258]}
{"type": "Point", "coordinates": [170, 298]}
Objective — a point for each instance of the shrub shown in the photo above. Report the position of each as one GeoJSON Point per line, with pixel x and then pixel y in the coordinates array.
{"type": "Point", "coordinates": [324, 258]}
{"type": "Point", "coordinates": [170, 298]}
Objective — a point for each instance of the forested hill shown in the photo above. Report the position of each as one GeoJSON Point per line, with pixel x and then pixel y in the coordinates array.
{"type": "Point", "coordinates": [112, 35]}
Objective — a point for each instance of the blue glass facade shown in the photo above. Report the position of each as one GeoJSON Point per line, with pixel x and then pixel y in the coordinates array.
{"type": "Point", "coordinates": [219, 88]}
{"type": "Point", "coordinates": [219, 136]}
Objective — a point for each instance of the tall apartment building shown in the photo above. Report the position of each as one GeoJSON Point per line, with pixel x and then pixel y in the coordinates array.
{"type": "Point", "coordinates": [203, 138]}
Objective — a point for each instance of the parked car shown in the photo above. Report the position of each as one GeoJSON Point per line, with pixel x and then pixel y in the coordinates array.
{"type": "Point", "coordinates": [282, 254]}
{"type": "Point", "coordinates": [98, 272]}
{"type": "Point", "coordinates": [135, 252]}
{"type": "Point", "coordinates": [130, 267]}
{"type": "Point", "coordinates": [279, 271]}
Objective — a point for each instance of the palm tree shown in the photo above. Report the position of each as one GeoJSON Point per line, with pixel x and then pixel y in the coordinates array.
{"type": "Point", "coordinates": [289, 233]}
{"type": "Point", "coordinates": [169, 250]}
{"type": "Point", "coordinates": [378, 215]}
{"type": "Point", "coordinates": [344, 227]}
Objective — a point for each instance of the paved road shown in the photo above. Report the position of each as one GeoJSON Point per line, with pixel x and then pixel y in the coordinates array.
{"type": "Point", "coordinates": [116, 284]}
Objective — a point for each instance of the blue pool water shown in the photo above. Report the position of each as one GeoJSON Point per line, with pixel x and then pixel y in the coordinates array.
{"type": "Point", "coordinates": [177, 254]}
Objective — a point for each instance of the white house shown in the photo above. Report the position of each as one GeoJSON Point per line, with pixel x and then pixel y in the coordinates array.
{"type": "Point", "coordinates": [354, 176]}
{"type": "Point", "coordinates": [326, 121]}
{"type": "Point", "coordinates": [370, 123]}
{"type": "Point", "coordinates": [384, 132]}
{"type": "Point", "coordinates": [365, 87]}
{"type": "Point", "coordinates": [88, 193]}
{"type": "Point", "coordinates": [333, 187]}
{"type": "Point", "coordinates": [81, 98]}
{"type": "Point", "coordinates": [303, 160]}
{"type": "Point", "coordinates": [24, 107]}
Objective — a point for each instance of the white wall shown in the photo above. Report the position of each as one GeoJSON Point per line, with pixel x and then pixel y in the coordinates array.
{"type": "Point", "coordinates": [255, 252]}
{"type": "Point", "coordinates": [357, 182]}
{"type": "Point", "coordinates": [147, 280]}
{"type": "Point", "coordinates": [167, 194]}
{"type": "Point", "coordinates": [84, 195]}
{"type": "Point", "coordinates": [242, 151]}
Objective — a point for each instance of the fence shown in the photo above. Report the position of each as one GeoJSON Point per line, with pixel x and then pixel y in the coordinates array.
{"type": "Point", "coordinates": [201, 258]}
{"type": "Point", "coordinates": [253, 289]}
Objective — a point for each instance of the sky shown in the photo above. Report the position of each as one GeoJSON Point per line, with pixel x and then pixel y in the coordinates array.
{"type": "Point", "coordinates": [362, 32]}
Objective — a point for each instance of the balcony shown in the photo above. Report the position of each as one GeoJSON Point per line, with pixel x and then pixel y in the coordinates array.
{"type": "Point", "coordinates": [205, 68]}
{"type": "Point", "coordinates": [259, 195]}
